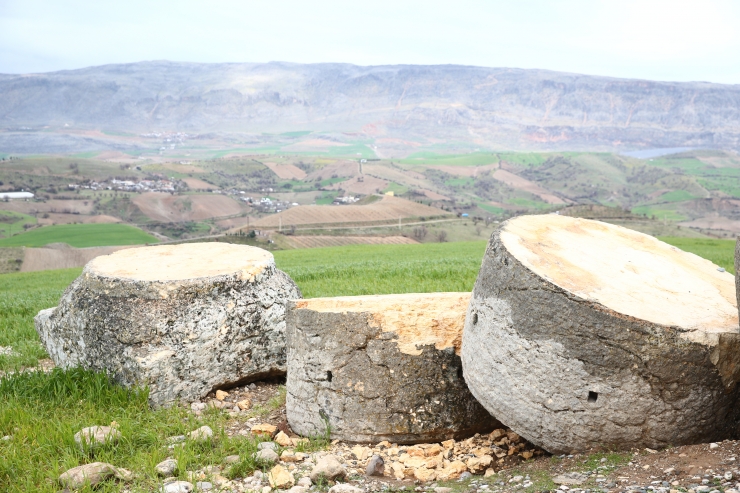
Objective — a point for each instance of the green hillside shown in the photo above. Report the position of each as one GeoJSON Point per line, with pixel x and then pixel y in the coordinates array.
{"type": "Point", "coordinates": [80, 236]}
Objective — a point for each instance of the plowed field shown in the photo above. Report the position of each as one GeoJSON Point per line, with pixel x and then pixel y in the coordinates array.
{"type": "Point", "coordinates": [167, 208]}
{"type": "Point", "coordinates": [287, 171]}
{"type": "Point", "coordinates": [327, 241]}
{"type": "Point", "coordinates": [385, 210]}
{"type": "Point", "coordinates": [62, 258]}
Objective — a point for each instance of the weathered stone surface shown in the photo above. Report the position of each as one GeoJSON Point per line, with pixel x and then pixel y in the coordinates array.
{"type": "Point", "coordinates": [95, 436]}
{"type": "Point", "coordinates": [93, 474]}
{"type": "Point", "coordinates": [202, 434]}
{"type": "Point", "coordinates": [380, 368]}
{"type": "Point", "coordinates": [267, 455]}
{"type": "Point", "coordinates": [167, 467]}
{"type": "Point", "coordinates": [582, 334]}
{"type": "Point", "coordinates": [177, 487]}
{"type": "Point", "coordinates": [375, 466]}
{"type": "Point", "coordinates": [345, 488]}
{"type": "Point", "coordinates": [329, 467]}
{"type": "Point", "coordinates": [182, 319]}
{"type": "Point", "coordinates": [281, 478]}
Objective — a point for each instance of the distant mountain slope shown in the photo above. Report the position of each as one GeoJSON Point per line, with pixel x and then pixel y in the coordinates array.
{"type": "Point", "coordinates": [489, 107]}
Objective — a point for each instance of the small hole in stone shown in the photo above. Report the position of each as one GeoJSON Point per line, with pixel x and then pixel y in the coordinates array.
{"type": "Point", "coordinates": [328, 377]}
{"type": "Point", "coordinates": [592, 396]}
{"type": "Point", "coordinates": [475, 318]}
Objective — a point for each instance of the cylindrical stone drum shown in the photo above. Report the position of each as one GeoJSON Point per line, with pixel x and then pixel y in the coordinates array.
{"type": "Point", "coordinates": [373, 368]}
{"type": "Point", "coordinates": [582, 334]}
{"type": "Point", "coordinates": [182, 319]}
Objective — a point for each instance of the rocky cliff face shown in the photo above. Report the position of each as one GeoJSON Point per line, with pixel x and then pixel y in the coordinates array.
{"type": "Point", "coordinates": [525, 109]}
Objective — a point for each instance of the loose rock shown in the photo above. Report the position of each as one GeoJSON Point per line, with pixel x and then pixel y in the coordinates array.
{"type": "Point", "coordinates": [177, 487]}
{"type": "Point", "coordinates": [279, 477]}
{"type": "Point", "coordinates": [202, 434]}
{"type": "Point", "coordinates": [167, 467]}
{"type": "Point", "coordinates": [375, 466]}
{"type": "Point", "coordinates": [329, 467]}
{"type": "Point", "coordinates": [92, 474]}
{"type": "Point", "coordinates": [267, 455]}
{"type": "Point", "coordinates": [264, 429]}
{"type": "Point", "coordinates": [157, 315]}
{"type": "Point", "coordinates": [345, 488]}
{"type": "Point", "coordinates": [283, 440]}
{"type": "Point", "coordinates": [96, 436]}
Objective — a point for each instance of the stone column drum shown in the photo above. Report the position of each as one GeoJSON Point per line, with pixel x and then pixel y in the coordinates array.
{"type": "Point", "coordinates": [182, 319]}
{"type": "Point", "coordinates": [583, 334]}
{"type": "Point", "coordinates": [377, 368]}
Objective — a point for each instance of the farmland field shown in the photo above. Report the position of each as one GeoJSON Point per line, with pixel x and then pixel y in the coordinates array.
{"type": "Point", "coordinates": [387, 209]}
{"type": "Point", "coordinates": [165, 207]}
{"type": "Point", "coordinates": [80, 236]}
{"type": "Point", "coordinates": [319, 241]}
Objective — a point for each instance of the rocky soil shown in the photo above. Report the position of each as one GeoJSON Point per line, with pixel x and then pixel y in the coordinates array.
{"type": "Point", "coordinates": [499, 461]}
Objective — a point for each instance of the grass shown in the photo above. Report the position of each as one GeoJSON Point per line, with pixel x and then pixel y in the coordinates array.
{"type": "Point", "coordinates": [659, 213]}
{"type": "Point", "coordinates": [41, 413]}
{"type": "Point", "coordinates": [12, 223]}
{"type": "Point", "coordinates": [383, 269]}
{"type": "Point", "coordinates": [432, 158]}
{"type": "Point", "coordinates": [721, 252]}
{"type": "Point", "coordinates": [21, 298]}
{"type": "Point", "coordinates": [81, 235]}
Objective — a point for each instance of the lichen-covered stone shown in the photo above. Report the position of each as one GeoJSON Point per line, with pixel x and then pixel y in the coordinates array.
{"type": "Point", "coordinates": [582, 334]}
{"type": "Point", "coordinates": [377, 368]}
{"type": "Point", "coordinates": [182, 319]}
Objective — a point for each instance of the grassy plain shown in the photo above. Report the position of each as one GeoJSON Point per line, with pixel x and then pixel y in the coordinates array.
{"type": "Point", "coordinates": [41, 412]}
{"type": "Point", "coordinates": [80, 236]}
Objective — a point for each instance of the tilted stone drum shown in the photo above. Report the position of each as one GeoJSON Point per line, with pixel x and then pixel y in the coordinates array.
{"type": "Point", "coordinates": [377, 368]}
{"type": "Point", "coordinates": [182, 319]}
{"type": "Point", "coordinates": [582, 334]}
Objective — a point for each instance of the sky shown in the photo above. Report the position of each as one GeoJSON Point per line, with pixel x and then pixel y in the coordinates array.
{"type": "Point", "coordinates": [676, 40]}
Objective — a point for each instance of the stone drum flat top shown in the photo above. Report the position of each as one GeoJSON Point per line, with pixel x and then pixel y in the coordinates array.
{"type": "Point", "coordinates": [418, 319]}
{"type": "Point", "coordinates": [629, 272]}
{"type": "Point", "coordinates": [182, 262]}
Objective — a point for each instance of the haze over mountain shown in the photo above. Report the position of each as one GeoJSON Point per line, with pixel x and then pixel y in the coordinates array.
{"type": "Point", "coordinates": [399, 108]}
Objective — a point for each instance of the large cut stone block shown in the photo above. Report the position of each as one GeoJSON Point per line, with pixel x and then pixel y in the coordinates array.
{"type": "Point", "coordinates": [182, 319]}
{"type": "Point", "coordinates": [583, 334]}
{"type": "Point", "coordinates": [380, 368]}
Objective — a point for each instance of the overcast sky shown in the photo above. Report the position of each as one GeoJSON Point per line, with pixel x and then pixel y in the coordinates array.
{"type": "Point", "coordinates": [681, 40]}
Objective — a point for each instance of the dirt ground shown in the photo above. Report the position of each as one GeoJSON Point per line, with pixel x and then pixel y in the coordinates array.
{"type": "Point", "coordinates": [35, 259]}
{"type": "Point", "coordinates": [367, 186]}
{"type": "Point", "coordinates": [198, 184]}
{"type": "Point", "coordinates": [286, 171]}
{"type": "Point", "coordinates": [165, 207]}
{"type": "Point", "coordinates": [672, 470]}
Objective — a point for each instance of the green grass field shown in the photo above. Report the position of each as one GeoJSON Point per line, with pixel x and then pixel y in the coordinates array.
{"type": "Point", "coordinates": [721, 252]}
{"type": "Point", "coordinates": [41, 412]}
{"type": "Point", "coordinates": [81, 235]}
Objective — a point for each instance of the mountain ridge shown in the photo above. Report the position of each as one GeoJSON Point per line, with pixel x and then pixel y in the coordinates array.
{"type": "Point", "coordinates": [417, 105]}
